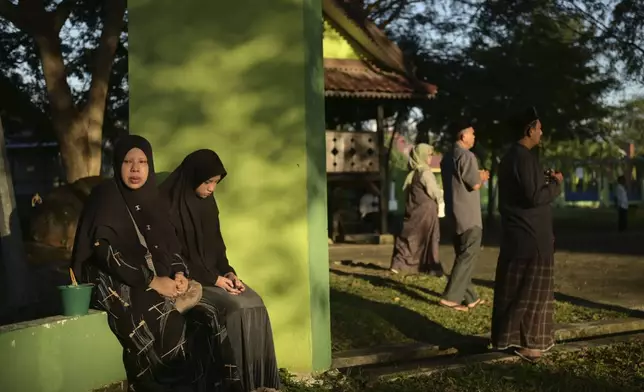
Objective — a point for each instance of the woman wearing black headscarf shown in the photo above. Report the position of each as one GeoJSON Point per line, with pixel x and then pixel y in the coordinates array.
{"type": "Point", "coordinates": [189, 191]}
{"type": "Point", "coordinates": [126, 245]}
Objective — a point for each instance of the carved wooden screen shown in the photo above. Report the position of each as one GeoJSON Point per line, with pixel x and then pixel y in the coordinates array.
{"type": "Point", "coordinates": [351, 152]}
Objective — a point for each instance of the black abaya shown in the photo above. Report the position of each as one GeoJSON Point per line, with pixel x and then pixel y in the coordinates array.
{"type": "Point", "coordinates": [197, 223]}
{"type": "Point", "coordinates": [163, 350]}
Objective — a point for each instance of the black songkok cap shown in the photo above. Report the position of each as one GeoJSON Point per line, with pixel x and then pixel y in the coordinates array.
{"type": "Point", "coordinates": [525, 119]}
{"type": "Point", "coordinates": [530, 116]}
{"type": "Point", "coordinates": [457, 126]}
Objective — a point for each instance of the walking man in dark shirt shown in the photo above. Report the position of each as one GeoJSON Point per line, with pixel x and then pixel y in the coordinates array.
{"type": "Point", "coordinates": [522, 316]}
{"type": "Point", "coordinates": [462, 181]}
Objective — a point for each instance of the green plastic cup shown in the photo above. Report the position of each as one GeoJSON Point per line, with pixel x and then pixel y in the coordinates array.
{"type": "Point", "coordinates": [76, 299]}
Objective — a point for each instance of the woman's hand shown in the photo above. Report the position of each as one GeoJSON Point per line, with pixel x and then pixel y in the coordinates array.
{"type": "Point", "coordinates": [164, 286]}
{"type": "Point", "coordinates": [227, 285]}
{"type": "Point", "coordinates": [238, 284]}
{"type": "Point", "coordinates": [182, 283]}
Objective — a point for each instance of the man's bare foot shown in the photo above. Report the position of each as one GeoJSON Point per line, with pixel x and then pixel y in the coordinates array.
{"type": "Point", "coordinates": [453, 305]}
{"type": "Point", "coordinates": [476, 303]}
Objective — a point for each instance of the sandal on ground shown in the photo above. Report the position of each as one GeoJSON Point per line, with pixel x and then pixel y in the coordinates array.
{"type": "Point", "coordinates": [526, 357]}
{"type": "Point", "coordinates": [476, 303]}
{"type": "Point", "coordinates": [454, 306]}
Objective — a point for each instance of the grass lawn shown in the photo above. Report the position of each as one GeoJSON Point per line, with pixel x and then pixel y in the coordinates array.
{"type": "Point", "coordinates": [595, 218]}
{"type": "Point", "coordinates": [370, 307]}
{"type": "Point", "coordinates": [617, 368]}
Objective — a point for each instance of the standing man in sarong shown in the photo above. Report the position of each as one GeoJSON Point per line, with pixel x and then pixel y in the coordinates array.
{"type": "Point", "coordinates": [462, 181]}
{"type": "Point", "coordinates": [522, 317]}
{"type": "Point", "coordinates": [621, 201]}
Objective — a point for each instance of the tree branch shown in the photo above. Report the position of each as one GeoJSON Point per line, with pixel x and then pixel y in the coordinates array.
{"type": "Point", "coordinates": [62, 12]}
{"type": "Point", "coordinates": [592, 19]}
{"type": "Point", "coordinates": [393, 16]}
{"type": "Point", "coordinates": [94, 112]}
{"type": "Point", "coordinates": [376, 5]}
{"type": "Point", "coordinates": [18, 104]}
{"type": "Point", "coordinates": [11, 12]}
{"type": "Point", "coordinates": [110, 37]}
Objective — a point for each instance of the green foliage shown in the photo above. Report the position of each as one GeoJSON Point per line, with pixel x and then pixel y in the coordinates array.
{"type": "Point", "coordinates": [520, 54]}
{"type": "Point", "coordinates": [398, 169]}
{"type": "Point", "coordinates": [627, 124]}
{"type": "Point", "coordinates": [625, 36]}
{"type": "Point", "coordinates": [492, 58]}
{"type": "Point", "coordinates": [566, 155]}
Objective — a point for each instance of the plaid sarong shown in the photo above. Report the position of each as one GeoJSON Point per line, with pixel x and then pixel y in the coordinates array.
{"type": "Point", "coordinates": [523, 310]}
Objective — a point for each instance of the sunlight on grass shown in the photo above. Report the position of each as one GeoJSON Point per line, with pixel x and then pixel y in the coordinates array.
{"type": "Point", "coordinates": [370, 310]}
{"type": "Point", "coordinates": [614, 368]}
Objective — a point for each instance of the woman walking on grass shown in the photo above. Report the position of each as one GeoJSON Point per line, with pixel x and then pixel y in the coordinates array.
{"type": "Point", "coordinates": [416, 248]}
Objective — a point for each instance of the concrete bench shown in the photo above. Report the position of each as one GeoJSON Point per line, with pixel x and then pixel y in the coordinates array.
{"type": "Point", "coordinates": [59, 354]}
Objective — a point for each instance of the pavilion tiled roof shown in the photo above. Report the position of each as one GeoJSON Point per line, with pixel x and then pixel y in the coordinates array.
{"type": "Point", "coordinates": [355, 78]}
{"type": "Point", "coordinates": [386, 75]}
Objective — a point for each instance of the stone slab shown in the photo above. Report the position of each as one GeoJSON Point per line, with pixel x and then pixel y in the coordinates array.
{"type": "Point", "coordinates": [430, 367]}
{"type": "Point", "coordinates": [418, 351]}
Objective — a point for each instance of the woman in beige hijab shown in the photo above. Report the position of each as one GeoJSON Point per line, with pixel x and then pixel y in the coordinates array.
{"type": "Point", "coordinates": [416, 248]}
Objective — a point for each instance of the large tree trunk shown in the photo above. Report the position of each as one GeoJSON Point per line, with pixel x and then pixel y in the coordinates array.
{"type": "Point", "coordinates": [66, 119]}
{"type": "Point", "coordinates": [94, 112]}
{"type": "Point", "coordinates": [79, 131]}
{"type": "Point", "coordinates": [72, 140]}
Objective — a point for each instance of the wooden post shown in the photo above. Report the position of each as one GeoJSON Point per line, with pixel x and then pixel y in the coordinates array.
{"type": "Point", "coordinates": [628, 171]}
{"type": "Point", "coordinates": [384, 177]}
{"type": "Point", "coordinates": [13, 251]}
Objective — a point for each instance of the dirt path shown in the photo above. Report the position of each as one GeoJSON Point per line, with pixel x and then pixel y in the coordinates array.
{"type": "Point", "coordinates": [588, 277]}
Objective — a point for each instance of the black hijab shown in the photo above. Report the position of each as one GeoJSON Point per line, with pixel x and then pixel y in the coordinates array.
{"type": "Point", "coordinates": [197, 220]}
{"type": "Point", "coordinates": [105, 216]}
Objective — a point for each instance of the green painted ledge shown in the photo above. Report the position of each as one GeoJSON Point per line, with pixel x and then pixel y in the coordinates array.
{"type": "Point", "coordinates": [59, 354]}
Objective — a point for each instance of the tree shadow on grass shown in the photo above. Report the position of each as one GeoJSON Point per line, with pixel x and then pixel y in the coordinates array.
{"type": "Point", "coordinates": [399, 286]}
{"type": "Point", "coordinates": [360, 264]}
{"type": "Point", "coordinates": [585, 303]}
{"type": "Point", "coordinates": [360, 322]}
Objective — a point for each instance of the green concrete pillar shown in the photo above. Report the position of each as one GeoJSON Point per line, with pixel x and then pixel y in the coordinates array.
{"type": "Point", "coordinates": [245, 78]}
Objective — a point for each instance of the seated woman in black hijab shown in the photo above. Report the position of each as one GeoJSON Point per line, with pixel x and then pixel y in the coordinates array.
{"type": "Point", "coordinates": [189, 190]}
{"type": "Point", "coordinates": [126, 245]}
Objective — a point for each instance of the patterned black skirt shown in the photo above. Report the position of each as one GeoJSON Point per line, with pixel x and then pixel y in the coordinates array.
{"type": "Point", "coordinates": [164, 350]}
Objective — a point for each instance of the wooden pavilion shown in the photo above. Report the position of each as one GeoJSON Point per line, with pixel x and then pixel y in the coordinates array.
{"type": "Point", "coordinates": [366, 76]}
